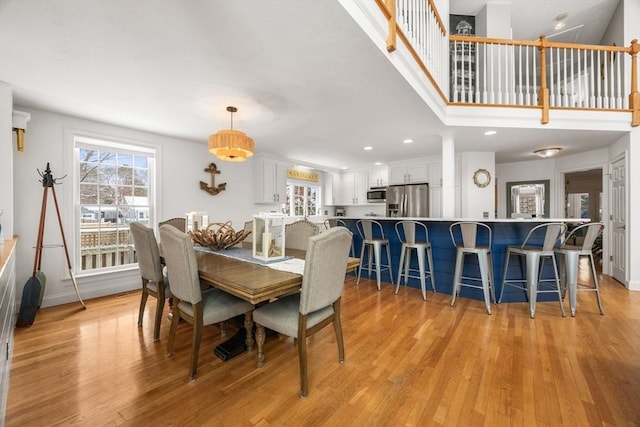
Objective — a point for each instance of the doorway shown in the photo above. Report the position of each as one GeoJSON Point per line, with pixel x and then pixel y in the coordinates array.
{"type": "Point", "coordinates": [583, 199]}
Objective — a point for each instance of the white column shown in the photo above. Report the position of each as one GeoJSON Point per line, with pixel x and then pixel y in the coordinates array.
{"type": "Point", "coordinates": [448, 175]}
{"type": "Point", "coordinates": [6, 159]}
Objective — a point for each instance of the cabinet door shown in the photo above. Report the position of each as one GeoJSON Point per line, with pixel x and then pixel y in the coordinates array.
{"type": "Point", "coordinates": [331, 188]}
{"type": "Point", "coordinates": [280, 180]}
{"type": "Point", "coordinates": [378, 177]}
{"type": "Point", "coordinates": [264, 185]}
{"type": "Point", "coordinates": [347, 188]}
{"type": "Point", "coordinates": [270, 180]}
{"type": "Point", "coordinates": [418, 173]}
{"type": "Point", "coordinates": [361, 187]}
{"type": "Point", "coordinates": [397, 174]}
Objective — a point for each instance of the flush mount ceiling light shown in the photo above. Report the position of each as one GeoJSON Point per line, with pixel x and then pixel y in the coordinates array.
{"type": "Point", "coordinates": [231, 145]}
{"type": "Point", "coordinates": [547, 152]}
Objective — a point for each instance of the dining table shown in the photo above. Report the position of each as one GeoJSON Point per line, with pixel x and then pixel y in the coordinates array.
{"type": "Point", "coordinates": [251, 281]}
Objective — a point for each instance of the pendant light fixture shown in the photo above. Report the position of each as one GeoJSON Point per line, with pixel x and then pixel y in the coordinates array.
{"type": "Point", "coordinates": [231, 145]}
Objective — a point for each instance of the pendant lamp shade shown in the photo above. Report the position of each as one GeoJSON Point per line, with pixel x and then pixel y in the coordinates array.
{"type": "Point", "coordinates": [231, 145]}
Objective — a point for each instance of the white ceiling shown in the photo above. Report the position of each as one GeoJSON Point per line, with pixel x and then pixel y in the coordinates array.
{"type": "Point", "coordinates": [309, 85]}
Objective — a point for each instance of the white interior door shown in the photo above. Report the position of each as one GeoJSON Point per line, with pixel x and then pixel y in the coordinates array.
{"type": "Point", "coordinates": [618, 221]}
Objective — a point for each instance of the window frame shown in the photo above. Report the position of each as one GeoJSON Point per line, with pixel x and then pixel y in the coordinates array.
{"type": "Point", "coordinates": [80, 139]}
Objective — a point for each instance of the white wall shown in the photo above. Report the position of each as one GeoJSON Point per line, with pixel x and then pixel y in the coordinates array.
{"type": "Point", "coordinates": [476, 201]}
{"type": "Point", "coordinates": [181, 166]}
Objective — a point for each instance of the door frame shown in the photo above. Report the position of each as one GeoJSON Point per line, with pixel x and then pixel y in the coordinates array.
{"type": "Point", "coordinates": [606, 186]}
{"type": "Point", "coordinates": [624, 156]}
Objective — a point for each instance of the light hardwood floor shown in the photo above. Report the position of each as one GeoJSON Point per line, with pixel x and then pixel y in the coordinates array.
{"type": "Point", "coordinates": [408, 362]}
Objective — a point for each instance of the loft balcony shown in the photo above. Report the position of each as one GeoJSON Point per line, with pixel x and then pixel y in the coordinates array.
{"type": "Point", "coordinates": [461, 76]}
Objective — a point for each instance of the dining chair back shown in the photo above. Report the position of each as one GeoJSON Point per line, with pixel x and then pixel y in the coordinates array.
{"type": "Point", "coordinates": [191, 303]}
{"type": "Point", "coordinates": [316, 305]}
{"type": "Point", "coordinates": [296, 234]}
{"type": "Point", "coordinates": [179, 223]}
{"type": "Point", "coordinates": [154, 282]}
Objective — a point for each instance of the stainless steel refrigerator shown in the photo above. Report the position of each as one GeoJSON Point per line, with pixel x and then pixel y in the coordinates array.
{"type": "Point", "coordinates": [411, 200]}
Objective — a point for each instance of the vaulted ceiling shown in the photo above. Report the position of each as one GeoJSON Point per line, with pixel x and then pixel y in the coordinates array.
{"type": "Point", "coordinates": [308, 83]}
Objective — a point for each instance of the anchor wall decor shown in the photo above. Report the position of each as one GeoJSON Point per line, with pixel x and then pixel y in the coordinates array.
{"type": "Point", "coordinates": [212, 189]}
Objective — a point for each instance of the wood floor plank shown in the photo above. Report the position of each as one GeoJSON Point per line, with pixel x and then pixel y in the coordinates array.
{"type": "Point", "coordinates": [408, 362]}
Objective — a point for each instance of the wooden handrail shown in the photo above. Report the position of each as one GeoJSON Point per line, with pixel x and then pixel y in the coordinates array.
{"type": "Point", "coordinates": [443, 29]}
{"type": "Point", "coordinates": [393, 26]}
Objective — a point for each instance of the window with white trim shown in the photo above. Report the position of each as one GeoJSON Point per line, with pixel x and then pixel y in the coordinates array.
{"type": "Point", "coordinates": [113, 187]}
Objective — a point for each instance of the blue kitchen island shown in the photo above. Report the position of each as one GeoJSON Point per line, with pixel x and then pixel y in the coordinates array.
{"type": "Point", "coordinates": [505, 232]}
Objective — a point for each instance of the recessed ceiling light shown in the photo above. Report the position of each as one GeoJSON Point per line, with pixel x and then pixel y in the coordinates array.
{"type": "Point", "coordinates": [408, 141]}
{"type": "Point", "coordinates": [559, 26]}
{"type": "Point", "coordinates": [377, 163]}
{"type": "Point", "coordinates": [344, 168]}
{"type": "Point", "coordinates": [490, 132]}
{"type": "Point", "coordinates": [368, 148]}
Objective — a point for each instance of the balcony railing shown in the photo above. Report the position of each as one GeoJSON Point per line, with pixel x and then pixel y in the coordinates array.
{"type": "Point", "coordinates": [478, 71]}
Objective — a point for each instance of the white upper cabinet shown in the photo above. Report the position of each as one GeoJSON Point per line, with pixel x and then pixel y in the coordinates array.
{"type": "Point", "coordinates": [354, 186]}
{"type": "Point", "coordinates": [379, 177]}
{"type": "Point", "coordinates": [269, 180]}
{"type": "Point", "coordinates": [332, 188]}
{"type": "Point", "coordinates": [407, 173]}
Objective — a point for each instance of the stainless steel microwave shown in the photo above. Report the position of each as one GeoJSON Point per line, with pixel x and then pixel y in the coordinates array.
{"type": "Point", "coordinates": [377, 195]}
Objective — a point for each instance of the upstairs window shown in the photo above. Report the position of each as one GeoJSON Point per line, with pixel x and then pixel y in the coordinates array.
{"type": "Point", "coordinates": [114, 187]}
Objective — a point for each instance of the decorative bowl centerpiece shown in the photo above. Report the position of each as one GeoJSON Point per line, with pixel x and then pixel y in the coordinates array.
{"type": "Point", "coordinates": [218, 236]}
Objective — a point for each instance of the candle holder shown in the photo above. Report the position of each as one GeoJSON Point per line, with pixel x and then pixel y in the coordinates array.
{"type": "Point", "coordinates": [268, 236]}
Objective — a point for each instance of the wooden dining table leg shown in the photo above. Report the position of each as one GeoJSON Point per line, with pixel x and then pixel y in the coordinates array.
{"type": "Point", "coordinates": [260, 342]}
{"type": "Point", "coordinates": [248, 325]}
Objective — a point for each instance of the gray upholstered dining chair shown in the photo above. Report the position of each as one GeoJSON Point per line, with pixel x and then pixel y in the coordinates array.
{"type": "Point", "coordinates": [154, 282]}
{"type": "Point", "coordinates": [179, 223]}
{"type": "Point", "coordinates": [190, 302]}
{"type": "Point", "coordinates": [316, 305]}
{"type": "Point", "coordinates": [296, 234]}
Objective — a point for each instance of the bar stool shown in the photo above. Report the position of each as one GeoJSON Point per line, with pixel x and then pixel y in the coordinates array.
{"type": "Point", "coordinates": [414, 235]}
{"type": "Point", "coordinates": [329, 223]}
{"type": "Point", "coordinates": [571, 259]}
{"type": "Point", "coordinates": [373, 238]}
{"type": "Point", "coordinates": [466, 239]}
{"type": "Point", "coordinates": [534, 256]}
